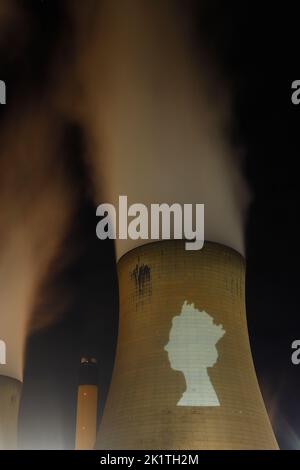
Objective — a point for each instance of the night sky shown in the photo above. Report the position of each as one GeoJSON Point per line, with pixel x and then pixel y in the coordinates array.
{"type": "Point", "coordinates": [257, 47]}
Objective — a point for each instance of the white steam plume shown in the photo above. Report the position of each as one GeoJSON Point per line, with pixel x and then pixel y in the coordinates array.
{"type": "Point", "coordinates": [159, 114]}
{"type": "Point", "coordinates": [36, 204]}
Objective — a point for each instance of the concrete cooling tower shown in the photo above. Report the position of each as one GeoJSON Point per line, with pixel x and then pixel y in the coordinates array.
{"type": "Point", "coordinates": [87, 400]}
{"type": "Point", "coordinates": [184, 376]}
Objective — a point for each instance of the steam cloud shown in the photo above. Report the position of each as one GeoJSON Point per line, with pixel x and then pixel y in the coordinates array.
{"type": "Point", "coordinates": [158, 113]}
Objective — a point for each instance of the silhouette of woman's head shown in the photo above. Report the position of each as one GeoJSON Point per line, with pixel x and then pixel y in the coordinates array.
{"type": "Point", "coordinates": [192, 348]}
{"type": "Point", "coordinates": [193, 339]}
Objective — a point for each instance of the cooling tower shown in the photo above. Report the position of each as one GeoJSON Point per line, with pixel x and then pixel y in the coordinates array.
{"type": "Point", "coordinates": [161, 117]}
{"type": "Point", "coordinates": [10, 391]}
{"type": "Point", "coordinates": [183, 376]}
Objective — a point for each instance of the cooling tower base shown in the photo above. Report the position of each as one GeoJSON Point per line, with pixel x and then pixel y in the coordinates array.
{"type": "Point", "coordinates": [184, 376]}
{"type": "Point", "coordinates": [10, 392]}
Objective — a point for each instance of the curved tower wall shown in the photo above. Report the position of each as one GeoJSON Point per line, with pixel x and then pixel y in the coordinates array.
{"type": "Point", "coordinates": [157, 282]}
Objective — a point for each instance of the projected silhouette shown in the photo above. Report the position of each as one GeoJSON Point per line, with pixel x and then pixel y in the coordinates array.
{"type": "Point", "coordinates": [191, 350]}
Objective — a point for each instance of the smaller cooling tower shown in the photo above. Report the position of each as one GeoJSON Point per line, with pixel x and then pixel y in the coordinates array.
{"type": "Point", "coordinates": [183, 376]}
{"type": "Point", "coordinates": [10, 392]}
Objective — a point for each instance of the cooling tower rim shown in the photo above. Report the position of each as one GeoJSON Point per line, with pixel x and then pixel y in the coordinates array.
{"type": "Point", "coordinates": [210, 243]}
{"type": "Point", "coordinates": [4, 379]}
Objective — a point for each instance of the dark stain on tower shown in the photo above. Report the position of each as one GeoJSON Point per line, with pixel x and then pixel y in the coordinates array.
{"type": "Point", "coordinates": [141, 275]}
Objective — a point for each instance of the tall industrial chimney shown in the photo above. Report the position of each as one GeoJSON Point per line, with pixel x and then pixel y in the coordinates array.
{"type": "Point", "coordinates": [87, 400]}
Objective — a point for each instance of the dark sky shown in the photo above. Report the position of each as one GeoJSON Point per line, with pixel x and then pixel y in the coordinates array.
{"type": "Point", "coordinates": [257, 46]}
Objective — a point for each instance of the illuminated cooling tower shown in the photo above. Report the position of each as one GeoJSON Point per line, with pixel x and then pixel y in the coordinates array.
{"type": "Point", "coordinates": [183, 376]}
